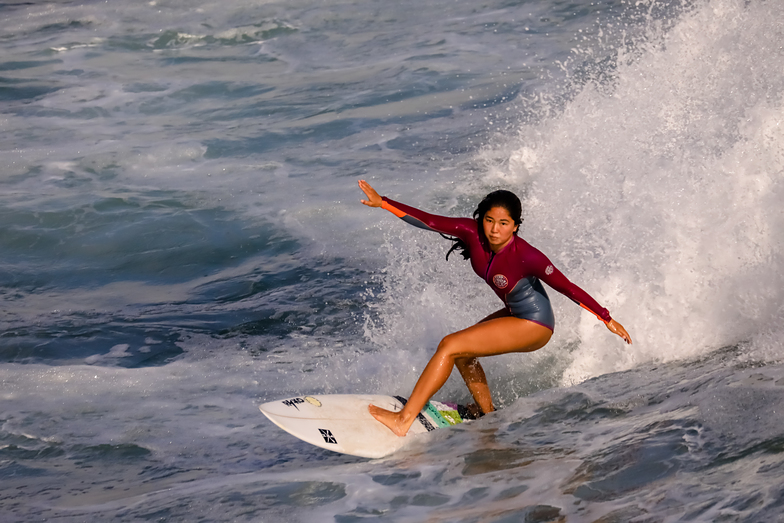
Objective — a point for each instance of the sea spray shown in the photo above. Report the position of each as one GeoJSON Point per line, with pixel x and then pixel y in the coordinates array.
{"type": "Point", "coordinates": [659, 189]}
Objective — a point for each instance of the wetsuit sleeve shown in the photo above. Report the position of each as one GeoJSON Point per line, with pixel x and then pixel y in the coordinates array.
{"type": "Point", "coordinates": [544, 269]}
{"type": "Point", "coordinates": [458, 227]}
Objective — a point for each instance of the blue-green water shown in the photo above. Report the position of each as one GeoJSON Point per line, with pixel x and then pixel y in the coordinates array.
{"type": "Point", "coordinates": [181, 239]}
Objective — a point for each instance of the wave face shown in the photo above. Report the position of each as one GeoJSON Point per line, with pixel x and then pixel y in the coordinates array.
{"type": "Point", "coordinates": [661, 187]}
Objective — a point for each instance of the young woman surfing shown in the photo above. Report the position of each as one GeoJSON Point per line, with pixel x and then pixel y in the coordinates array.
{"type": "Point", "coordinates": [515, 270]}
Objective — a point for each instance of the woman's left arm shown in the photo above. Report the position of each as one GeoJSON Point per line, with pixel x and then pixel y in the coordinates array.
{"type": "Point", "coordinates": [548, 273]}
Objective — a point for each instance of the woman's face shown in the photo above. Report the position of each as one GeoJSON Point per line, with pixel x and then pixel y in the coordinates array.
{"type": "Point", "coordinates": [499, 228]}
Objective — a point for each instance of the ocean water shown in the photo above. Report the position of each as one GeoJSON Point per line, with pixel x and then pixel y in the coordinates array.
{"type": "Point", "coordinates": [181, 239]}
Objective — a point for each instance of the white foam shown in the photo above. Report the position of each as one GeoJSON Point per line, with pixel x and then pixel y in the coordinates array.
{"type": "Point", "coordinates": [661, 193]}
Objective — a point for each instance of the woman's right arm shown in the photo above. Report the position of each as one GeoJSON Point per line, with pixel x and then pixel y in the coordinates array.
{"type": "Point", "coordinates": [454, 226]}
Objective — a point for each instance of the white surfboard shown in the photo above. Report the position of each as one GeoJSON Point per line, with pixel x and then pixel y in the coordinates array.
{"type": "Point", "coordinates": [342, 423]}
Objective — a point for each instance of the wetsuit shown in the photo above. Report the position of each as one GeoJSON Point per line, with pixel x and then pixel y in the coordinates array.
{"type": "Point", "coordinates": [515, 273]}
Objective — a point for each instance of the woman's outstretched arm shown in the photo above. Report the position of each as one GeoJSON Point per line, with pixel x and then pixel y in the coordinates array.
{"type": "Point", "coordinates": [548, 273]}
{"type": "Point", "coordinates": [458, 227]}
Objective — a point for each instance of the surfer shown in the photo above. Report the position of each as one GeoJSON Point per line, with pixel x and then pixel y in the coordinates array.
{"type": "Point", "coordinates": [515, 271]}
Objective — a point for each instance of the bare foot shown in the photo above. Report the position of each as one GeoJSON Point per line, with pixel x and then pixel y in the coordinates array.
{"type": "Point", "coordinates": [392, 420]}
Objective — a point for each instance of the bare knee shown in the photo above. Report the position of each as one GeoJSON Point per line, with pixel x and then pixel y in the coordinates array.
{"type": "Point", "coordinates": [450, 347]}
{"type": "Point", "coordinates": [446, 344]}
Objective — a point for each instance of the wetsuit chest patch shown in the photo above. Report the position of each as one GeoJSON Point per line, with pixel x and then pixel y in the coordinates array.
{"type": "Point", "coordinates": [500, 281]}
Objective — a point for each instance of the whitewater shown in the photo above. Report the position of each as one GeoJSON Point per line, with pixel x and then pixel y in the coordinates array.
{"type": "Point", "coordinates": [181, 240]}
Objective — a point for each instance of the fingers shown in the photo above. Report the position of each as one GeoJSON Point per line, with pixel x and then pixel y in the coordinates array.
{"type": "Point", "coordinates": [618, 329]}
{"type": "Point", "coordinates": [366, 188]}
{"type": "Point", "coordinates": [373, 198]}
{"type": "Point", "coordinates": [625, 335]}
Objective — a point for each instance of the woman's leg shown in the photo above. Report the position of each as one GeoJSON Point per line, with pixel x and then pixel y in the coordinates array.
{"type": "Point", "coordinates": [487, 338]}
{"type": "Point", "coordinates": [474, 375]}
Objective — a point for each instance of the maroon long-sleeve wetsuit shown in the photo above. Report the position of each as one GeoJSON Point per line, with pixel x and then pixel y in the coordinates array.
{"type": "Point", "coordinates": [515, 273]}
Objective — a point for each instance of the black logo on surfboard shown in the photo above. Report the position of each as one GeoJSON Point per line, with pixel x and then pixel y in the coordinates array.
{"type": "Point", "coordinates": [293, 402]}
{"type": "Point", "coordinates": [328, 437]}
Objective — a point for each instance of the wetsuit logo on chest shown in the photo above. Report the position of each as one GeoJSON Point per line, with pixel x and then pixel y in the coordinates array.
{"type": "Point", "coordinates": [500, 281]}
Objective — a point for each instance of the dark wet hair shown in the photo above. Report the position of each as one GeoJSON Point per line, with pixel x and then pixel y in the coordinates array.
{"type": "Point", "coordinates": [501, 198]}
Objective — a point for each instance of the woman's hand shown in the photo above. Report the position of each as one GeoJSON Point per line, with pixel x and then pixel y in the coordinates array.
{"type": "Point", "coordinates": [373, 198]}
{"type": "Point", "coordinates": [618, 329]}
